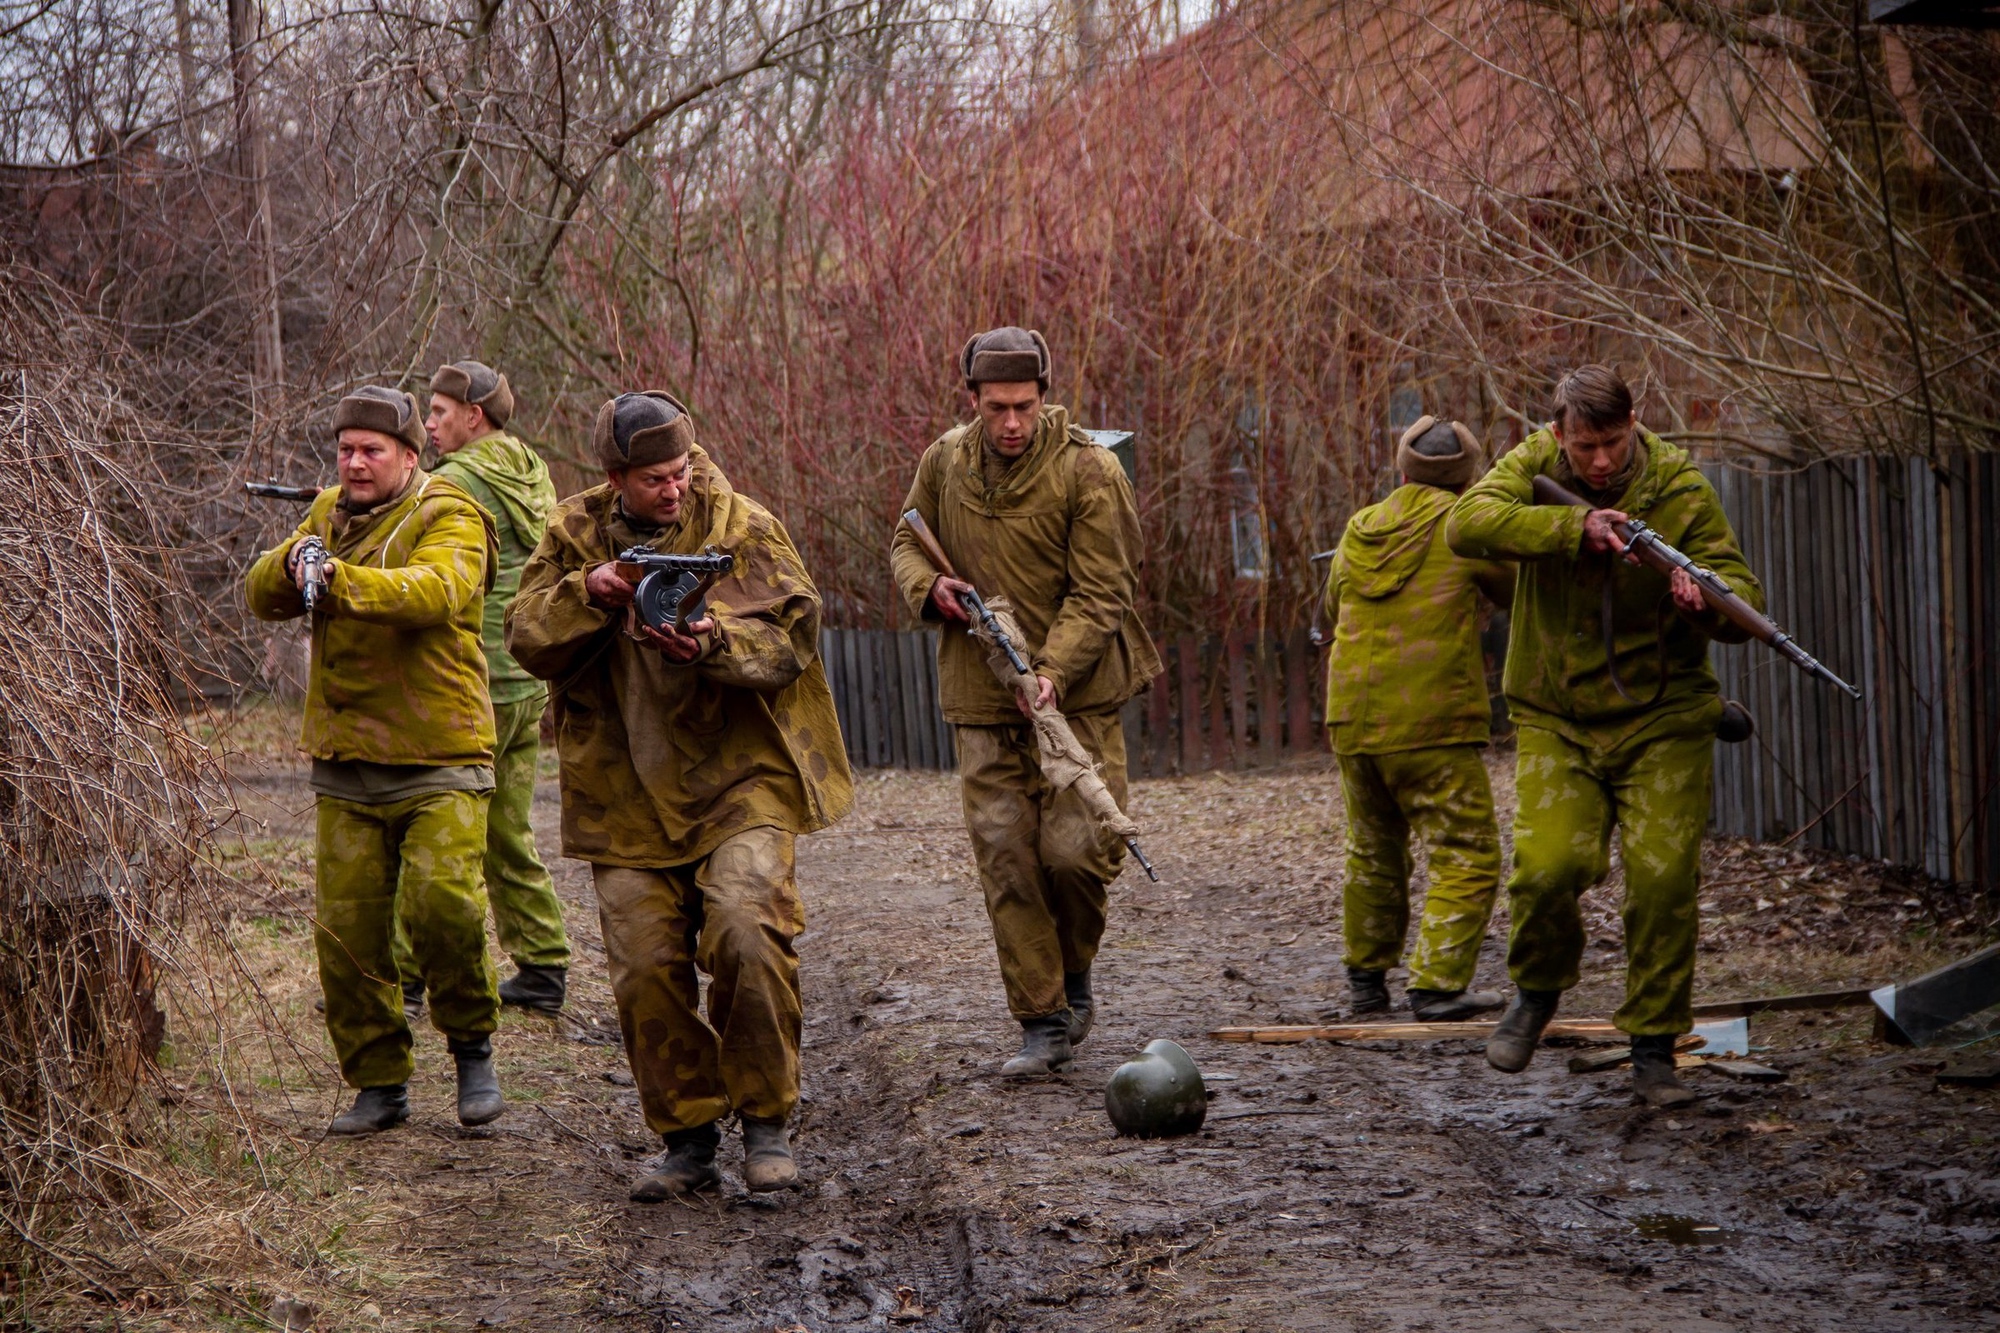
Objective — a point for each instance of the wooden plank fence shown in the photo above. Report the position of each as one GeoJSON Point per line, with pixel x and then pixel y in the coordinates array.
{"type": "Point", "coordinates": [1889, 572]}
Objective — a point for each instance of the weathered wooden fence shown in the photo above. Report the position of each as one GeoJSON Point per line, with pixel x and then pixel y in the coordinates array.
{"type": "Point", "coordinates": [885, 688]}
{"type": "Point", "coordinates": [1889, 572]}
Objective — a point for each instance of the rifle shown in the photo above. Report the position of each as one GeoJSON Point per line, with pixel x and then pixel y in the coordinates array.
{"type": "Point", "coordinates": [670, 587]}
{"type": "Point", "coordinates": [1321, 635]}
{"type": "Point", "coordinates": [313, 558]}
{"type": "Point", "coordinates": [1650, 550]}
{"type": "Point", "coordinates": [974, 604]}
{"type": "Point", "coordinates": [271, 490]}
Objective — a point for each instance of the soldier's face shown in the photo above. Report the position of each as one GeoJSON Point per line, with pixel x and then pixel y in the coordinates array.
{"type": "Point", "coordinates": [1596, 454]}
{"type": "Point", "coordinates": [1011, 413]}
{"type": "Point", "coordinates": [452, 425]}
{"type": "Point", "coordinates": [655, 493]}
{"type": "Point", "coordinates": [373, 466]}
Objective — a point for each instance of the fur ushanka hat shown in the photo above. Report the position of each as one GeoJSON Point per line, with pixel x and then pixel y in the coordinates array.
{"type": "Point", "coordinates": [477, 383]}
{"type": "Point", "coordinates": [1005, 355]}
{"type": "Point", "coordinates": [390, 412]}
{"type": "Point", "coordinates": [1429, 468]}
{"type": "Point", "coordinates": [641, 429]}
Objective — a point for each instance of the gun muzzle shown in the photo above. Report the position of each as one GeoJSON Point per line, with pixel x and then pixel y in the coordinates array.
{"type": "Point", "coordinates": [1144, 864]}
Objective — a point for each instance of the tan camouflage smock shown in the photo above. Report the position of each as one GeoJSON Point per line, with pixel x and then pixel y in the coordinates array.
{"type": "Point", "coordinates": [398, 672]}
{"type": "Point", "coordinates": [1056, 533]}
{"type": "Point", "coordinates": [1406, 669]}
{"type": "Point", "coordinates": [661, 762]}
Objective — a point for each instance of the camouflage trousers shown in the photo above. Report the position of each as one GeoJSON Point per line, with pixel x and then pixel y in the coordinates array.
{"type": "Point", "coordinates": [527, 915]}
{"type": "Point", "coordinates": [734, 916]}
{"type": "Point", "coordinates": [417, 858]}
{"type": "Point", "coordinates": [1656, 794]}
{"type": "Point", "coordinates": [1043, 862]}
{"type": "Point", "coordinates": [1441, 793]}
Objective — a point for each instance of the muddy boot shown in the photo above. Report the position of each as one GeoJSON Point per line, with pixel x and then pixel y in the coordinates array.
{"type": "Point", "coordinates": [479, 1099]}
{"type": "Point", "coordinates": [1044, 1047]}
{"type": "Point", "coordinates": [1452, 1006]}
{"type": "Point", "coordinates": [1082, 1007]}
{"type": "Point", "coordinates": [688, 1166]}
{"type": "Point", "coordinates": [1367, 992]}
{"type": "Point", "coordinates": [1653, 1079]}
{"type": "Point", "coordinates": [1513, 1042]}
{"type": "Point", "coordinates": [413, 1002]}
{"type": "Point", "coordinates": [376, 1109]}
{"type": "Point", "coordinates": [767, 1157]}
{"type": "Point", "coordinates": [537, 989]}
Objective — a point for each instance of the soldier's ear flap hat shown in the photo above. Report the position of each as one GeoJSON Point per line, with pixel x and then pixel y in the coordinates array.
{"type": "Point", "coordinates": [477, 383]}
{"type": "Point", "coordinates": [1006, 355]}
{"type": "Point", "coordinates": [641, 429]}
{"type": "Point", "coordinates": [390, 412]}
{"type": "Point", "coordinates": [1425, 454]}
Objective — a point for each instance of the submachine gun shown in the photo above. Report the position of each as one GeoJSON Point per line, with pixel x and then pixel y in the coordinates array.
{"type": "Point", "coordinates": [1651, 550]}
{"type": "Point", "coordinates": [671, 587]}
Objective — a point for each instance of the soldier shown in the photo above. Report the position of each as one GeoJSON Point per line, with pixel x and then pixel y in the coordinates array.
{"type": "Point", "coordinates": [401, 737]}
{"type": "Point", "coordinates": [1028, 506]}
{"type": "Point", "coordinates": [1407, 714]}
{"type": "Point", "coordinates": [470, 407]}
{"type": "Point", "coordinates": [1608, 678]}
{"type": "Point", "coordinates": [691, 763]}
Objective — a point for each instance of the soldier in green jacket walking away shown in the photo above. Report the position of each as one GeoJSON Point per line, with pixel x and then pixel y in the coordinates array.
{"type": "Point", "coordinates": [470, 407]}
{"type": "Point", "coordinates": [1407, 714]}
{"type": "Point", "coordinates": [401, 737]}
{"type": "Point", "coordinates": [1608, 679]}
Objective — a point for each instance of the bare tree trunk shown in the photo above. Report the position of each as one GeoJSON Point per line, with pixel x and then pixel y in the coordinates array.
{"type": "Point", "coordinates": [190, 78]}
{"type": "Point", "coordinates": [246, 22]}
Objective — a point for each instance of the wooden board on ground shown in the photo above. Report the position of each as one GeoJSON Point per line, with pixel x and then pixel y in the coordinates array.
{"type": "Point", "coordinates": [1748, 1070]}
{"type": "Point", "coordinates": [1592, 1062]}
{"type": "Point", "coordinates": [1587, 1029]}
{"type": "Point", "coordinates": [1825, 999]}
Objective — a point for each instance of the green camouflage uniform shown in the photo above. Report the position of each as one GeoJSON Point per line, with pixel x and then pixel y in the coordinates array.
{"type": "Point", "coordinates": [1590, 759]}
{"type": "Point", "coordinates": [685, 786]}
{"type": "Point", "coordinates": [1407, 714]}
{"type": "Point", "coordinates": [511, 483]}
{"type": "Point", "coordinates": [1057, 533]}
{"type": "Point", "coordinates": [401, 734]}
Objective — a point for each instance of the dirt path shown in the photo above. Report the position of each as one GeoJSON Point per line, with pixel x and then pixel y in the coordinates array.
{"type": "Point", "coordinates": [1362, 1187]}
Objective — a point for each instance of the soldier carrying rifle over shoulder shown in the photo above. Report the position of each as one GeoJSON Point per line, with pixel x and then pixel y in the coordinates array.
{"type": "Point", "coordinates": [1609, 681]}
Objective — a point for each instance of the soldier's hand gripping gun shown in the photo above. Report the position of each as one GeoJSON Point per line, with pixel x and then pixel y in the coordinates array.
{"type": "Point", "coordinates": [974, 604]}
{"type": "Point", "coordinates": [671, 587]}
{"type": "Point", "coordinates": [271, 490]}
{"type": "Point", "coordinates": [311, 558]}
{"type": "Point", "coordinates": [1650, 550]}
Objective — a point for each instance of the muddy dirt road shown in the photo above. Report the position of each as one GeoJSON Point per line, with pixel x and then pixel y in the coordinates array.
{"type": "Point", "coordinates": [1336, 1187]}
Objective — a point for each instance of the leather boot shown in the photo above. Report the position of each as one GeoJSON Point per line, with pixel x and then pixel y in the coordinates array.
{"type": "Point", "coordinates": [1653, 1079]}
{"type": "Point", "coordinates": [688, 1166]}
{"type": "Point", "coordinates": [767, 1157]}
{"type": "Point", "coordinates": [536, 988]}
{"type": "Point", "coordinates": [1082, 1006]}
{"type": "Point", "coordinates": [376, 1109]}
{"type": "Point", "coordinates": [1044, 1047]}
{"type": "Point", "coordinates": [1452, 1006]}
{"type": "Point", "coordinates": [1513, 1042]}
{"type": "Point", "coordinates": [413, 1002]}
{"type": "Point", "coordinates": [479, 1099]}
{"type": "Point", "coordinates": [1367, 991]}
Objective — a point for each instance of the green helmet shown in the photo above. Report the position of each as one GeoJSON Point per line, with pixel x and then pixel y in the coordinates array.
{"type": "Point", "coordinates": [1158, 1095]}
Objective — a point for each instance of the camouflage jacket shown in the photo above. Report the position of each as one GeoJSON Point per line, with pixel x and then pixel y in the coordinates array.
{"type": "Point", "coordinates": [398, 675]}
{"type": "Point", "coordinates": [660, 761]}
{"type": "Point", "coordinates": [1558, 676]}
{"type": "Point", "coordinates": [511, 483]}
{"type": "Point", "coordinates": [1058, 535]}
{"type": "Point", "coordinates": [1406, 670]}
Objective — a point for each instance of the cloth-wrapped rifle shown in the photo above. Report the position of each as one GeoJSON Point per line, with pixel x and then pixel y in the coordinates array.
{"type": "Point", "coordinates": [1065, 763]}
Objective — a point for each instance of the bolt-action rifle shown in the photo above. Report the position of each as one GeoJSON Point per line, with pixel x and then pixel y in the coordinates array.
{"type": "Point", "coordinates": [271, 490]}
{"type": "Point", "coordinates": [1651, 550]}
{"type": "Point", "coordinates": [974, 604]}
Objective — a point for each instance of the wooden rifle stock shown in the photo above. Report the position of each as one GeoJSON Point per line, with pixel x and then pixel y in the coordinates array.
{"type": "Point", "coordinates": [974, 604]}
{"type": "Point", "coordinates": [1649, 549]}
